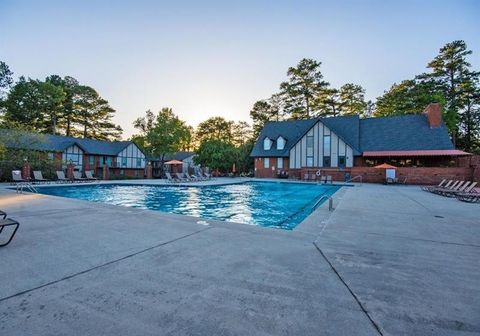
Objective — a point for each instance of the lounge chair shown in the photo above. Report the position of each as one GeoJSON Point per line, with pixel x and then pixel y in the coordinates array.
{"type": "Point", "coordinates": [456, 186]}
{"type": "Point", "coordinates": [17, 176]}
{"type": "Point", "coordinates": [466, 188]}
{"type": "Point", "coordinates": [77, 176]}
{"type": "Point", "coordinates": [181, 178]}
{"type": "Point", "coordinates": [170, 178]}
{"type": "Point", "coordinates": [8, 222]}
{"type": "Point", "coordinates": [440, 185]}
{"type": "Point", "coordinates": [89, 175]}
{"type": "Point", "coordinates": [471, 197]}
{"type": "Point", "coordinates": [450, 185]}
{"type": "Point", "coordinates": [200, 177]}
{"type": "Point", "coordinates": [446, 185]}
{"type": "Point", "coordinates": [328, 179]}
{"type": "Point", "coordinates": [192, 177]}
{"type": "Point", "coordinates": [61, 177]}
{"type": "Point", "coordinates": [323, 179]}
{"type": "Point", "coordinates": [38, 177]}
{"type": "Point", "coordinates": [208, 176]}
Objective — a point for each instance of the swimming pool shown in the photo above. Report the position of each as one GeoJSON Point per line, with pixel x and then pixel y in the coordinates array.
{"type": "Point", "coordinates": [271, 204]}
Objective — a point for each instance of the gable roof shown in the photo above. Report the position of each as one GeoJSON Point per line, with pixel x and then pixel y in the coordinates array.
{"type": "Point", "coordinates": [346, 128]}
{"type": "Point", "coordinates": [407, 132]}
{"type": "Point", "coordinates": [291, 130]}
{"type": "Point", "coordinates": [58, 143]}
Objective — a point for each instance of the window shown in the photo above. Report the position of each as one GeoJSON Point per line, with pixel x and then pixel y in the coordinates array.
{"type": "Point", "coordinates": [280, 163]}
{"type": "Point", "coordinates": [326, 161]}
{"type": "Point", "coordinates": [131, 157]}
{"type": "Point", "coordinates": [341, 161]}
{"type": "Point", "coordinates": [267, 144]}
{"type": "Point", "coordinates": [326, 145]}
{"type": "Point", "coordinates": [266, 163]}
{"type": "Point", "coordinates": [74, 155]}
{"type": "Point", "coordinates": [107, 160]}
{"type": "Point", "coordinates": [91, 161]}
{"type": "Point", "coordinates": [280, 143]}
{"type": "Point", "coordinates": [50, 156]}
{"type": "Point", "coordinates": [310, 151]}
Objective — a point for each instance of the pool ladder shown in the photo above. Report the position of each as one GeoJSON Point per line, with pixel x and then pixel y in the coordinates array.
{"type": "Point", "coordinates": [319, 201]}
{"type": "Point", "coordinates": [28, 186]}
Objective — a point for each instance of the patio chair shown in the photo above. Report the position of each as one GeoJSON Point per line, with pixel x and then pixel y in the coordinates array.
{"type": "Point", "coordinates": [456, 186]}
{"type": "Point", "coordinates": [17, 176]}
{"type": "Point", "coordinates": [181, 178]}
{"type": "Point", "coordinates": [440, 185]}
{"type": "Point", "coordinates": [323, 179]}
{"type": "Point", "coordinates": [89, 175]}
{"type": "Point", "coordinates": [38, 177]}
{"type": "Point", "coordinates": [209, 176]}
{"type": "Point", "coordinates": [8, 222]}
{"type": "Point", "coordinates": [450, 185]}
{"type": "Point", "coordinates": [471, 197]}
{"type": "Point", "coordinates": [77, 176]}
{"type": "Point", "coordinates": [61, 176]}
{"type": "Point", "coordinates": [328, 179]}
{"type": "Point", "coordinates": [200, 177]}
{"type": "Point", "coordinates": [192, 177]}
{"type": "Point", "coordinates": [451, 193]}
{"type": "Point", "coordinates": [170, 178]}
{"type": "Point", "coordinates": [466, 189]}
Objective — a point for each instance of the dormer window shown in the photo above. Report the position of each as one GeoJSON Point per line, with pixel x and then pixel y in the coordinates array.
{"type": "Point", "coordinates": [280, 143]}
{"type": "Point", "coordinates": [267, 144]}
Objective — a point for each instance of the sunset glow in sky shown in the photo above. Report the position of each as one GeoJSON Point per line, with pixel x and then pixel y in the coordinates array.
{"type": "Point", "coordinates": [216, 58]}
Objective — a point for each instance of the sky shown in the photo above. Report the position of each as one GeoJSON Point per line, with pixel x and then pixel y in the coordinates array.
{"type": "Point", "coordinates": [216, 58]}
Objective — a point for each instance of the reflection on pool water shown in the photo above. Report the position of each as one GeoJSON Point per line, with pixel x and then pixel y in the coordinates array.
{"type": "Point", "coordinates": [280, 205]}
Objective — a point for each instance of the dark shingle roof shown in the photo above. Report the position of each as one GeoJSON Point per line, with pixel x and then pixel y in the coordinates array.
{"type": "Point", "coordinates": [408, 132]}
{"type": "Point", "coordinates": [58, 143]}
{"type": "Point", "coordinates": [347, 128]}
{"type": "Point", "coordinates": [290, 130]}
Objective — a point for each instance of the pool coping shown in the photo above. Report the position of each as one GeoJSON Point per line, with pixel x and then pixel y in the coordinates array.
{"type": "Point", "coordinates": [310, 224]}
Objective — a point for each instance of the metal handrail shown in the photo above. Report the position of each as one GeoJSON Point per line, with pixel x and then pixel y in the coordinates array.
{"type": "Point", "coordinates": [353, 178]}
{"type": "Point", "coordinates": [330, 203]}
{"type": "Point", "coordinates": [29, 186]}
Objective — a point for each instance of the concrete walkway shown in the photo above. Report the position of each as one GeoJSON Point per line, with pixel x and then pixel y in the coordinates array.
{"type": "Point", "coordinates": [381, 263]}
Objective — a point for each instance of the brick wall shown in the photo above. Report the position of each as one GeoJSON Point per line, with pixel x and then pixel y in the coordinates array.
{"type": "Point", "coordinates": [261, 171]}
{"type": "Point", "coordinates": [467, 169]}
{"type": "Point", "coordinates": [416, 175]}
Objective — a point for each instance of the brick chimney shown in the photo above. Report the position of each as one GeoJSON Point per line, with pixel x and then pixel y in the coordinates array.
{"type": "Point", "coordinates": [434, 114]}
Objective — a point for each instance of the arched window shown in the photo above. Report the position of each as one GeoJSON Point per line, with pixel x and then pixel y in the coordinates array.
{"type": "Point", "coordinates": [280, 143]}
{"type": "Point", "coordinates": [267, 144]}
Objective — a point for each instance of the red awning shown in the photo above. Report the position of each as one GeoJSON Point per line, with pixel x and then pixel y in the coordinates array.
{"type": "Point", "coordinates": [441, 152]}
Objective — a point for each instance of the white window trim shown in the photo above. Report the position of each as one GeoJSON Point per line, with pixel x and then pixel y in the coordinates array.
{"type": "Point", "coordinates": [266, 163]}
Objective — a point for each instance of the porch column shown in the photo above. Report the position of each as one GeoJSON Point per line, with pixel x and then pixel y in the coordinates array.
{"type": "Point", "coordinates": [149, 171]}
{"type": "Point", "coordinates": [106, 172]}
{"type": "Point", "coordinates": [26, 170]}
{"type": "Point", "coordinates": [70, 169]}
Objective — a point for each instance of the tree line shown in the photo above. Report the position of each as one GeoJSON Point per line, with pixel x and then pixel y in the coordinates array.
{"type": "Point", "coordinates": [55, 105]}
{"type": "Point", "coordinates": [449, 80]}
{"type": "Point", "coordinates": [218, 143]}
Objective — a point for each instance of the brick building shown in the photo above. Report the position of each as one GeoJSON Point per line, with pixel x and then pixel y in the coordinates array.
{"type": "Point", "coordinates": [345, 147]}
{"type": "Point", "coordinates": [123, 158]}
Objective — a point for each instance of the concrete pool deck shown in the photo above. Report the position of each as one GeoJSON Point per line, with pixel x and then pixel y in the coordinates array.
{"type": "Point", "coordinates": [390, 260]}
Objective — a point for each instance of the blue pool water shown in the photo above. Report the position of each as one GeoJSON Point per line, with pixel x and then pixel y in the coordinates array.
{"type": "Point", "coordinates": [280, 205]}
